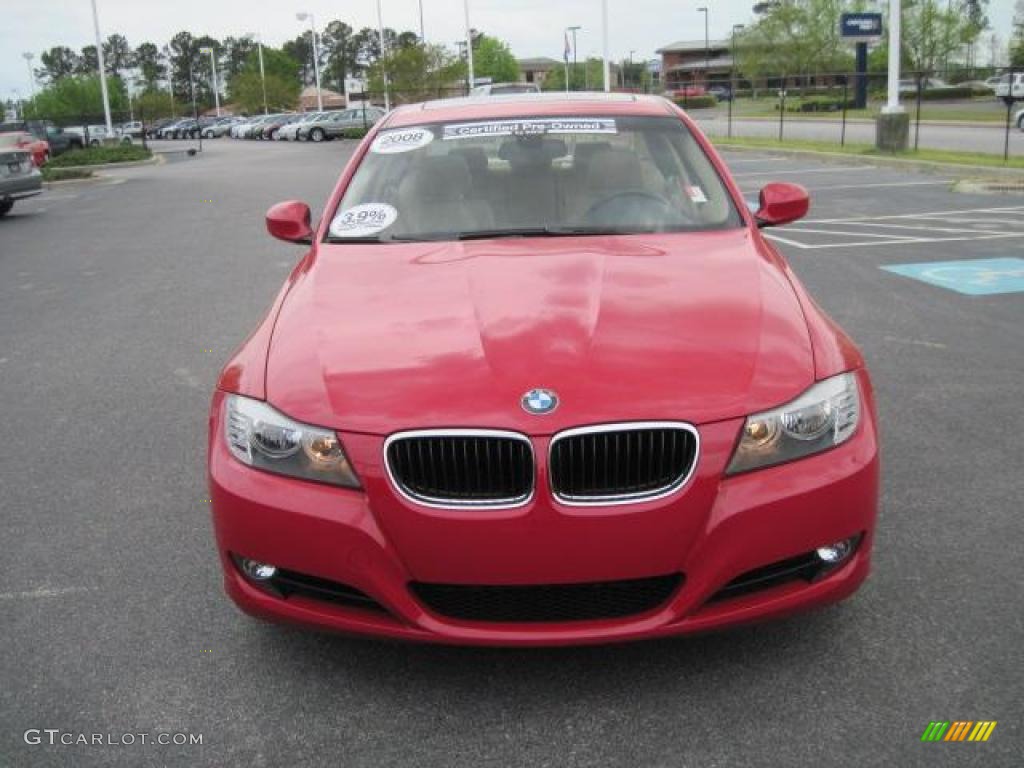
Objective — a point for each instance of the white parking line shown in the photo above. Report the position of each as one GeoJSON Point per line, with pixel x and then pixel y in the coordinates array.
{"type": "Point", "coordinates": [893, 241]}
{"type": "Point", "coordinates": [834, 169]}
{"type": "Point", "coordinates": [921, 215]}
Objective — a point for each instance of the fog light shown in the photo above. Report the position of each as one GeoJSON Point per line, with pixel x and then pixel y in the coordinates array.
{"type": "Point", "coordinates": [835, 553]}
{"type": "Point", "coordinates": [258, 571]}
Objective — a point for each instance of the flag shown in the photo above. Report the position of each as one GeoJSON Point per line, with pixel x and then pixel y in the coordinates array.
{"type": "Point", "coordinates": [568, 48]}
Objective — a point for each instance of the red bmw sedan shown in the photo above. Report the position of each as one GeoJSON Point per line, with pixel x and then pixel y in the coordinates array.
{"type": "Point", "coordinates": [540, 379]}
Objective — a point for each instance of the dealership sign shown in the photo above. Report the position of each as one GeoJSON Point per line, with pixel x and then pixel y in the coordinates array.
{"type": "Point", "coordinates": [860, 27]}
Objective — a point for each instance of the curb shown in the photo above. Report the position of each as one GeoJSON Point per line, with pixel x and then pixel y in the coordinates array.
{"type": "Point", "coordinates": [955, 169]}
{"type": "Point", "coordinates": [154, 160]}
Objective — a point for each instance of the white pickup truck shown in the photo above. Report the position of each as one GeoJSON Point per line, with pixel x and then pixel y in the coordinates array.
{"type": "Point", "coordinates": [1003, 86]}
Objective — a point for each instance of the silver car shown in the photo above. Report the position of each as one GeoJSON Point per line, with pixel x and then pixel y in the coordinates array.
{"type": "Point", "coordinates": [19, 178]}
{"type": "Point", "coordinates": [331, 125]}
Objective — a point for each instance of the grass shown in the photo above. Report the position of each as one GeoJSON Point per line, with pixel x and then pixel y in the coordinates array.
{"type": "Point", "coordinates": [63, 174]}
{"type": "Point", "coordinates": [977, 111]}
{"type": "Point", "coordinates": [100, 156]}
{"type": "Point", "coordinates": [868, 150]}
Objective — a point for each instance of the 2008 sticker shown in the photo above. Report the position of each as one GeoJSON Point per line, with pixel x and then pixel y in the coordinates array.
{"type": "Point", "coordinates": [363, 220]}
{"type": "Point", "coordinates": [401, 140]}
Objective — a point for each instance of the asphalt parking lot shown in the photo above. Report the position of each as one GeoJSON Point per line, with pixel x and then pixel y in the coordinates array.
{"type": "Point", "coordinates": [120, 300]}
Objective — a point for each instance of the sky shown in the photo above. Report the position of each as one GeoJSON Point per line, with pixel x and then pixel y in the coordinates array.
{"type": "Point", "coordinates": [531, 27]}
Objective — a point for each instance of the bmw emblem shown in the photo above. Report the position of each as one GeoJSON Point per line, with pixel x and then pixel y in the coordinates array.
{"type": "Point", "coordinates": [539, 401]}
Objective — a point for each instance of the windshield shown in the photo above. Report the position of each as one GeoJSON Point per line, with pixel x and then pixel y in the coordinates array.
{"type": "Point", "coordinates": [532, 177]}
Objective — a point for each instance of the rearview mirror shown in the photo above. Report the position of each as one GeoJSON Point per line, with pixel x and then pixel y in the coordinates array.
{"type": "Point", "coordinates": [290, 221]}
{"type": "Point", "coordinates": [781, 204]}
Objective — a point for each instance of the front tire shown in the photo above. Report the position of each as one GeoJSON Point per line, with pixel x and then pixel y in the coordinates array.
{"type": "Point", "coordinates": [5, 207]}
{"type": "Point", "coordinates": [317, 135]}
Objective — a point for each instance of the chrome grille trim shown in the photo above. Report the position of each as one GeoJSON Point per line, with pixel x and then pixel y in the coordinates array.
{"type": "Point", "coordinates": [451, 503]}
{"type": "Point", "coordinates": [623, 498]}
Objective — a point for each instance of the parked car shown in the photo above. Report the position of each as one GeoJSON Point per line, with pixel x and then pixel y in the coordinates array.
{"type": "Point", "coordinates": [927, 84]}
{"type": "Point", "coordinates": [332, 125]}
{"type": "Point", "coordinates": [132, 129]}
{"type": "Point", "coordinates": [270, 128]}
{"type": "Point", "coordinates": [611, 410]}
{"type": "Point", "coordinates": [58, 139]}
{"type": "Point", "coordinates": [219, 127]}
{"type": "Point", "coordinates": [290, 131]}
{"type": "Point", "coordinates": [38, 148]}
{"type": "Point", "coordinates": [992, 82]}
{"type": "Point", "coordinates": [1019, 119]}
{"type": "Point", "coordinates": [248, 129]}
{"type": "Point", "coordinates": [686, 92]}
{"type": "Point", "coordinates": [1003, 89]}
{"type": "Point", "coordinates": [721, 92]}
{"type": "Point", "coordinates": [504, 89]}
{"type": "Point", "coordinates": [19, 176]}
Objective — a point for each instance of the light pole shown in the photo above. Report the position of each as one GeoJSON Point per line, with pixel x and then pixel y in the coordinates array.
{"type": "Point", "coordinates": [630, 70]}
{"type": "Point", "coordinates": [31, 77]}
{"type": "Point", "coordinates": [604, 45]}
{"type": "Point", "coordinates": [423, 35]}
{"type": "Point", "coordinates": [469, 43]}
{"type": "Point", "coordinates": [103, 75]}
{"type": "Point", "coordinates": [573, 30]}
{"type": "Point", "coordinates": [707, 43]}
{"type": "Point", "coordinates": [383, 57]}
{"type": "Point", "coordinates": [213, 68]}
{"type": "Point", "coordinates": [732, 73]}
{"type": "Point", "coordinates": [302, 16]}
{"type": "Point", "coordinates": [263, 76]}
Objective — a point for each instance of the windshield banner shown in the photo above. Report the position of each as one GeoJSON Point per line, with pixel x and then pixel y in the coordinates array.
{"type": "Point", "coordinates": [532, 127]}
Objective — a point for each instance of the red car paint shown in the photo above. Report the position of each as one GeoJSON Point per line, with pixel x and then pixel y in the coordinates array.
{"type": "Point", "coordinates": [370, 341]}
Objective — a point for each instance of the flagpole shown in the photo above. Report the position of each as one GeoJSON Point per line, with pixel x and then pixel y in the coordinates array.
{"type": "Point", "coordinates": [565, 60]}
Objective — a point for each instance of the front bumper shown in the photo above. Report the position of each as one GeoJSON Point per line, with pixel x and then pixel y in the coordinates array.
{"type": "Point", "coordinates": [735, 525]}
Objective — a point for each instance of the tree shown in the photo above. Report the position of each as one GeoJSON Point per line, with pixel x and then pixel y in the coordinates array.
{"type": "Point", "coordinates": [88, 62]}
{"type": "Point", "coordinates": [151, 66]}
{"type": "Point", "coordinates": [415, 71]}
{"type": "Point", "coordinates": [78, 97]}
{"type": "Point", "coordinates": [58, 62]}
{"type": "Point", "coordinates": [117, 55]}
{"type": "Point", "coordinates": [236, 53]}
{"type": "Point", "coordinates": [1017, 42]}
{"type": "Point", "coordinates": [282, 79]}
{"type": "Point", "coordinates": [933, 32]}
{"type": "Point", "coordinates": [301, 50]}
{"type": "Point", "coordinates": [342, 53]}
{"type": "Point", "coordinates": [793, 37]}
{"type": "Point", "coordinates": [586, 75]}
{"type": "Point", "coordinates": [492, 58]}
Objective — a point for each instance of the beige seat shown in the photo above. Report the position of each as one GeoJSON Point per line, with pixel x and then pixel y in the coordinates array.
{"type": "Point", "coordinates": [531, 192]}
{"type": "Point", "coordinates": [438, 196]}
{"type": "Point", "coordinates": [608, 172]}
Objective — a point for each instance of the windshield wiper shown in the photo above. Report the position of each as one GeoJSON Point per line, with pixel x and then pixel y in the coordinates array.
{"type": "Point", "coordinates": [487, 234]}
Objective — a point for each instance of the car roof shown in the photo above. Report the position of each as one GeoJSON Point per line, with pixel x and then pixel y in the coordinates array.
{"type": "Point", "coordinates": [530, 105]}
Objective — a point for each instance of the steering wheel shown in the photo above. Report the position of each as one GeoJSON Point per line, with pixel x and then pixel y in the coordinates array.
{"type": "Point", "coordinates": [631, 207]}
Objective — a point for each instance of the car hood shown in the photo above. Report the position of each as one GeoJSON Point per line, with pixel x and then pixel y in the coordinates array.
{"type": "Point", "coordinates": [693, 327]}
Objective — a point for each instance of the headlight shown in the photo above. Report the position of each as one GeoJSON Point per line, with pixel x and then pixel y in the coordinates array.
{"type": "Point", "coordinates": [261, 437]}
{"type": "Point", "coordinates": [823, 417]}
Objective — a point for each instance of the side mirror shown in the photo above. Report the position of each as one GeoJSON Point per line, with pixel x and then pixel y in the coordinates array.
{"type": "Point", "coordinates": [781, 204]}
{"type": "Point", "coordinates": [290, 221]}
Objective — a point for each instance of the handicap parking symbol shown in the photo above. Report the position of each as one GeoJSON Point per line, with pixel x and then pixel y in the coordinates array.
{"type": "Point", "coordinates": [974, 277]}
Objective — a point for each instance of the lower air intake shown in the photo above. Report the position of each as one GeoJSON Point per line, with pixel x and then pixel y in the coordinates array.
{"type": "Point", "coordinates": [549, 602]}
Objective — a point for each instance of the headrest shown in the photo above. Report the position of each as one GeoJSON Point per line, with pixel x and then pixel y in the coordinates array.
{"type": "Point", "coordinates": [615, 168]}
{"type": "Point", "coordinates": [531, 152]}
{"type": "Point", "coordinates": [440, 178]}
{"type": "Point", "coordinates": [474, 157]}
{"type": "Point", "coordinates": [586, 150]}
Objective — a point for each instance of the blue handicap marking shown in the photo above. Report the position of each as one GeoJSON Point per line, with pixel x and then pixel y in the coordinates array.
{"type": "Point", "coordinates": [974, 277]}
